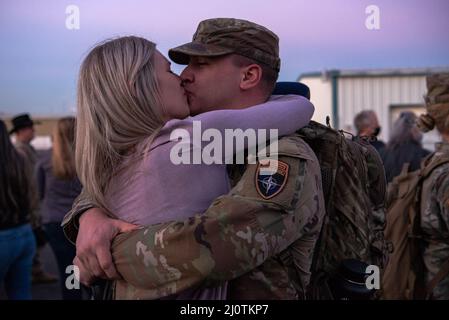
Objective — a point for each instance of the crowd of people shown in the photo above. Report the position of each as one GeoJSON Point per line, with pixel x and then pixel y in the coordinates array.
{"type": "Point", "coordinates": [38, 191]}
{"type": "Point", "coordinates": [108, 199]}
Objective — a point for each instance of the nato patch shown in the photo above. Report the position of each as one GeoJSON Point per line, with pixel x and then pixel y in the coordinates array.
{"type": "Point", "coordinates": [271, 177]}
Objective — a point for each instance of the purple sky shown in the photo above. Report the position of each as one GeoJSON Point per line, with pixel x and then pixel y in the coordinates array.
{"type": "Point", "coordinates": [39, 57]}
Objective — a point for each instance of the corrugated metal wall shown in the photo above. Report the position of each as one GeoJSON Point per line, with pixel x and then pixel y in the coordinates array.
{"type": "Point", "coordinates": [377, 93]}
{"type": "Point", "coordinates": [321, 97]}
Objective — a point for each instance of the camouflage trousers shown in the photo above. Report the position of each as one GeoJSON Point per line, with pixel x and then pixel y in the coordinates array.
{"type": "Point", "coordinates": [435, 256]}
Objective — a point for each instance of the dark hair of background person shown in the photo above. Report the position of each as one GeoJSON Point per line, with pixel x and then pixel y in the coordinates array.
{"type": "Point", "coordinates": [14, 191]}
{"type": "Point", "coordinates": [404, 146]}
{"type": "Point", "coordinates": [404, 130]}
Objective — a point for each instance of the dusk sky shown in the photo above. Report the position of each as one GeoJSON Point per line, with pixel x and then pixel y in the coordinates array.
{"type": "Point", "coordinates": [40, 57]}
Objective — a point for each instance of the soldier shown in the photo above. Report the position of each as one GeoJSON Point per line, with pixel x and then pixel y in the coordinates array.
{"type": "Point", "coordinates": [263, 238]}
{"type": "Point", "coordinates": [435, 190]}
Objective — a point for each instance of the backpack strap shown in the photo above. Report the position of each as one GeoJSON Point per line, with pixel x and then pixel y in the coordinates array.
{"type": "Point", "coordinates": [428, 168]}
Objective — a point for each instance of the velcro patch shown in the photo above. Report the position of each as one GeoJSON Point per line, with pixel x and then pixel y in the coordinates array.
{"type": "Point", "coordinates": [271, 177]}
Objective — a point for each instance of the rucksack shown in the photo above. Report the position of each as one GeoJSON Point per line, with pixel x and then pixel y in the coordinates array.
{"type": "Point", "coordinates": [354, 188]}
{"type": "Point", "coordinates": [403, 274]}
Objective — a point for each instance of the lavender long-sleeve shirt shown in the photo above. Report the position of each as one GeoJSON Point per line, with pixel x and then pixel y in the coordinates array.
{"type": "Point", "coordinates": [152, 189]}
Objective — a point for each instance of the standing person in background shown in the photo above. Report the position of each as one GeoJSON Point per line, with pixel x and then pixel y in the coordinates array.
{"type": "Point", "coordinates": [23, 128]}
{"type": "Point", "coordinates": [221, 77]}
{"type": "Point", "coordinates": [404, 146]}
{"type": "Point", "coordinates": [434, 201]}
{"type": "Point", "coordinates": [367, 125]}
{"type": "Point", "coordinates": [58, 187]}
{"type": "Point", "coordinates": [17, 243]}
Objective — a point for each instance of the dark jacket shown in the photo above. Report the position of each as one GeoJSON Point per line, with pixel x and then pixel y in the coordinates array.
{"type": "Point", "coordinates": [16, 210]}
{"type": "Point", "coordinates": [379, 145]}
{"type": "Point", "coordinates": [394, 159]}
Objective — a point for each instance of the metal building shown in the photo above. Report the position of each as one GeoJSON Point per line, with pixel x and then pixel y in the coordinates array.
{"type": "Point", "coordinates": [341, 94]}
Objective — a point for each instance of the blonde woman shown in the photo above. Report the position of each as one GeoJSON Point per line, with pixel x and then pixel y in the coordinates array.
{"type": "Point", "coordinates": [129, 102]}
{"type": "Point", "coordinates": [58, 187]}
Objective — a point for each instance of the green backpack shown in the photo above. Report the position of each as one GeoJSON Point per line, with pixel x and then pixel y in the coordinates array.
{"type": "Point", "coordinates": [354, 187]}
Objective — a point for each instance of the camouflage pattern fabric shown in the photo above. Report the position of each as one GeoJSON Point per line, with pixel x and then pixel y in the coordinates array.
{"type": "Point", "coordinates": [435, 193]}
{"type": "Point", "coordinates": [221, 36]}
{"type": "Point", "coordinates": [29, 155]}
{"type": "Point", "coordinates": [435, 222]}
{"type": "Point", "coordinates": [355, 190]}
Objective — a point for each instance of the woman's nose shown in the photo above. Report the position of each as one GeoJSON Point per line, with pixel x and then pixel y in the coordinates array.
{"type": "Point", "coordinates": [186, 76]}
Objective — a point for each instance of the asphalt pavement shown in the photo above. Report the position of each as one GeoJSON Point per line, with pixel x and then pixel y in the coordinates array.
{"type": "Point", "coordinates": [47, 291]}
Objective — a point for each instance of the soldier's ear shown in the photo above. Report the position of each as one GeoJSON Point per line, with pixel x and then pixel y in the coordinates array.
{"type": "Point", "coordinates": [251, 76]}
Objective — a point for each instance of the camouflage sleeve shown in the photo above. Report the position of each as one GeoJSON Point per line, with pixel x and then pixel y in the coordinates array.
{"type": "Point", "coordinates": [237, 233]}
{"type": "Point", "coordinates": [442, 196]}
{"type": "Point", "coordinates": [70, 223]}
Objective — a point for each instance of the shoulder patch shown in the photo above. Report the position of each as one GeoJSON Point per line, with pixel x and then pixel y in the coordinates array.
{"type": "Point", "coordinates": [271, 177]}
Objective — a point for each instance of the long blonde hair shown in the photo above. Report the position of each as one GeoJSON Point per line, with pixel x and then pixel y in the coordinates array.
{"type": "Point", "coordinates": [119, 106]}
{"type": "Point", "coordinates": [63, 153]}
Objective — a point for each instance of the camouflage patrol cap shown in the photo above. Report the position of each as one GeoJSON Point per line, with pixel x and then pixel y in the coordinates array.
{"type": "Point", "coordinates": [437, 88]}
{"type": "Point", "coordinates": [221, 36]}
{"type": "Point", "coordinates": [437, 104]}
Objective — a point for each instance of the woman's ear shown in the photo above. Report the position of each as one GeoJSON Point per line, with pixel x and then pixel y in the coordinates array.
{"type": "Point", "coordinates": [250, 77]}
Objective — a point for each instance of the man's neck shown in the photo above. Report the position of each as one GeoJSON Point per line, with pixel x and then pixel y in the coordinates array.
{"type": "Point", "coordinates": [364, 134]}
{"type": "Point", "coordinates": [247, 101]}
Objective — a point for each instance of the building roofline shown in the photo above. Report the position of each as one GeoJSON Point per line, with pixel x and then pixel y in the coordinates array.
{"type": "Point", "coordinates": [398, 72]}
{"type": "Point", "coordinates": [9, 116]}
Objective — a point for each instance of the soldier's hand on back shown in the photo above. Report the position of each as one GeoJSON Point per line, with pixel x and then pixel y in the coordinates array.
{"type": "Point", "coordinates": [93, 245]}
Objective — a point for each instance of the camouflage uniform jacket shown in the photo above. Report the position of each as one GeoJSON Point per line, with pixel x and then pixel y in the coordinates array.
{"type": "Point", "coordinates": [263, 240]}
{"type": "Point", "coordinates": [435, 221]}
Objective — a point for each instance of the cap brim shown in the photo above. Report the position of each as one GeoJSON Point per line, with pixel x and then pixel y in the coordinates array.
{"type": "Point", "coordinates": [182, 54]}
